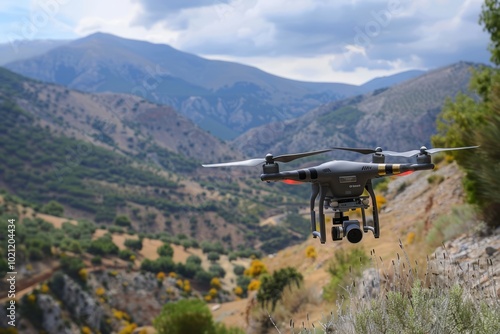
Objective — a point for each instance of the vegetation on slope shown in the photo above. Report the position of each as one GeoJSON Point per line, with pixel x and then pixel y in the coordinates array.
{"type": "Point", "coordinates": [468, 121]}
{"type": "Point", "coordinates": [96, 183]}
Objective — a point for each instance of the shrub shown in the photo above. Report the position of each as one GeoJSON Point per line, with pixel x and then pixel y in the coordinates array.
{"type": "Point", "coordinates": [123, 221]}
{"type": "Point", "coordinates": [134, 244]}
{"type": "Point", "coordinates": [345, 266]}
{"type": "Point", "coordinates": [53, 208]}
{"type": "Point", "coordinates": [213, 256]}
{"type": "Point", "coordinates": [165, 250]}
{"type": "Point", "coordinates": [185, 316]}
{"type": "Point", "coordinates": [311, 252]}
{"type": "Point", "coordinates": [256, 268]}
{"type": "Point", "coordinates": [72, 266]}
{"type": "Point", "coordinates": [272, 286]}
{"type": "Point", "coordinates": [103, 246]}
{"type": "Point", "coordinates": [238, 270]}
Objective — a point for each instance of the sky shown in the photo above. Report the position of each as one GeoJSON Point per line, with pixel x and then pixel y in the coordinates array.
{"type": "Point", "coordinates": [350, 41]}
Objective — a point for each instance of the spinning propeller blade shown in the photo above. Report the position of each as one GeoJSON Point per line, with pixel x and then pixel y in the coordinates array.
{"type": "Point", "coordinates": [291, 157]}
{"type": "Point", "coordinates": [244, 163]}
{"type": "Point", "coordinates": [407, 154]}
{"type": "Point", "coordinates": [268, 159]}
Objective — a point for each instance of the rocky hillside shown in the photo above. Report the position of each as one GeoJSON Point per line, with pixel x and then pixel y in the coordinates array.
{"type": "Point", "coordinates": [401, 117]}
{"type": "Point", "coordinates": [106, 155]}
{"type": "Point", "coordinates": [421, 210]}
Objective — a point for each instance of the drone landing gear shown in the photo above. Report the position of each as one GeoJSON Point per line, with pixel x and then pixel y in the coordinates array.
{"type": "Point", "coordinates": [342, 226]}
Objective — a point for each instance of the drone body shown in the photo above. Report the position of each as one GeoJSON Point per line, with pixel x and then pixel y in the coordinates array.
{"type": "Point", "coordinates": [340, 186]}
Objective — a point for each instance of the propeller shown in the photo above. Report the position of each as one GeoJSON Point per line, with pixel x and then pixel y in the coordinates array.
{"type": "Point", "coordinates": [408, 154]}
{"type": "Point", "coordinates": [269, 159]}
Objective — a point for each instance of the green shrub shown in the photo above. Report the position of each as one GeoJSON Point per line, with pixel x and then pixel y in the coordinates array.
{"type": "Point", "coordinates": [123, 221]}
{"type": "Point", "coordinates": [53, 208]}
{"type": "Point", "coordinates": [165, 250]}
{"type": "Point", "coordinates": [346, 266]}
{"type": "Point", "coordinates": [72, 266]}
{"type": "Point", "coordinates": [273, 286]}
{"type": "Point", "coordinates": [103, 246]}
{"type": "Point", "coordinates": [134, 244]}
{"type": "Point", "coordinates": [190, 316]}
{"type": "Point", "coordinates": [461, 220]}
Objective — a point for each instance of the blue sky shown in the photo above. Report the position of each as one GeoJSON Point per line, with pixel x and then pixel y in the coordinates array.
{"type": "Point", "coordinates": [337, 41]}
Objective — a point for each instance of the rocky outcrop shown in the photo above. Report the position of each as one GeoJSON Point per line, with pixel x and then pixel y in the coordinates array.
{"type": "Point", "coordinates": [474, 260]}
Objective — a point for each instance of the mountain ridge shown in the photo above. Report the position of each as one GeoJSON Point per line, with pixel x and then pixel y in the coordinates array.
{"type": "Point", "coordinates": [406, 111]}
{"type": "Point", "coordinates": [215, 94]}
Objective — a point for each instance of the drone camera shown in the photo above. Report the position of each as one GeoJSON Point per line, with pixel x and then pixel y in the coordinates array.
{"type": "Point", "coordinates": [352, 231]}
{"type": "Point", "coordinates": [349, 229]}
{"type": "Point", "coordinates": [337, 233]}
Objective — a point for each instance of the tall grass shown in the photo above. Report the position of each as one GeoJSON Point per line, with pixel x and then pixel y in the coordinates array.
{"type": "Point", "coordinates": [446, 298]}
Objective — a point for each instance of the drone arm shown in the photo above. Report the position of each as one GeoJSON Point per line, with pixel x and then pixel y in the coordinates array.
{"type": "Point", "coordinates": [290, 175]}
{"type": "Point", "coordinates": [395, 169]}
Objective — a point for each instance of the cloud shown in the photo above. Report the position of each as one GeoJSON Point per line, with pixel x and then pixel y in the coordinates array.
{"type": "Point", "coordinates": [303, 39]}
{"type": "Point", "coordinates": [387, 32]}
{"type": "Point", "coordinates": [154, 11]}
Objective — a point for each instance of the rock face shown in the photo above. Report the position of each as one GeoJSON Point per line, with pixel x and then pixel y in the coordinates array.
{"type": "Point", "coordinates": [53, 321]}
{"type": "Point", "coordinates": [476, 261]}
{"type": "Point", "coordinates": [471, 261]}
{"type": "Point", "coordinates": [81, 304]}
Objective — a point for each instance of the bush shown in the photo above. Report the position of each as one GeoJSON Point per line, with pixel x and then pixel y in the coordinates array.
{"type": "Point", "coordinates": [72, 266]}
{"type": "Point", "coordinates": [103, 246]}
{"type": "Point", "coordinates": [123, 221]}
{"type": "Point", "coordinates": [134, 244]}
{"type": "Point", "coordinates": [272, 286]}
{"type": "Point", "coordinates": [238, 270]}
{"type": "Point", "coordinates": [165, 250]}
{"type": "Point", "coordinates": [189, 316]}
{"type": "Point", "coordinates": [345, 267]}
{"type": "Point", "coordinates": [213, 256]}
{"type": "Point", "coordinates": [53, 208]}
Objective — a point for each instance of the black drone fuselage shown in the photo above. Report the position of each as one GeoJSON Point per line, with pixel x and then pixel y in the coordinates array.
{"type": "Point", "coordinates": [340, 186]}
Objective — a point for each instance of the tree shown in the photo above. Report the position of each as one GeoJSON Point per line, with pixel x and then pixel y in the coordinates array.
{"type": "Point", "coordinates": [272, 287]}
{"type": "Point", "coordinates": [185, 316]}
{"type": "Point", "coordinates": [490, 17]}
{"type": "Point", "coordinates": [471, 121]}
{"type": "Point", "coordinates": [53, 208]}
{"type": "Point", "coordinates": [123, 221]}
{"type": "Point", "coordinates": [165, 250]}
{"type": "Point", "coordinates": [134, 244]}
{"type": "Point", "coordinates": [190, 316]}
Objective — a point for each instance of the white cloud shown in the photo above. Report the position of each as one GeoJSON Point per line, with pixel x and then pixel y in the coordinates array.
{"type": "Point", "coordinates": [316, 40]}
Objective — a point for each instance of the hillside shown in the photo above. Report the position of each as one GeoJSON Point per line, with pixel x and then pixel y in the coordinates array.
{"type": "Point", "coordinates": [401, 117]}
{"type": "Point", "coordinates": [222, 97]}
{"type": "Point", "coordinates": [117, 296]}
{"type": "Point", "coordinates": [108, 155]}
{"type": "Point", "coordinates": [71, 275]}
{"type": "Point", "coordinates": [422, 210]}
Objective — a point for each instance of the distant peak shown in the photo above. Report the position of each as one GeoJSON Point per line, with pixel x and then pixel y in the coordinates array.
{"type": "Point", "coordinates": [100, 35]}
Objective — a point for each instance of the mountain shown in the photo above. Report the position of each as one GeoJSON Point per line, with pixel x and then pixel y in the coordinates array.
{"type": "Point", "coordinates": [222, 97]}
{"type": "Point", "coordinates": [400, 117]}
{"type": "Point", "coordinates": [108, 155]}
{"type": "Point", "coordinates": [391, 80]}
{"type": "Point", "coordinates": [23, 49]}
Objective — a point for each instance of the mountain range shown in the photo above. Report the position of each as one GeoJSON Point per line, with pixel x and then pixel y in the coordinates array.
{"type": "Point", "coordinates": [224, 98]}
{"type": "Point", "coordinates": [401, 117]}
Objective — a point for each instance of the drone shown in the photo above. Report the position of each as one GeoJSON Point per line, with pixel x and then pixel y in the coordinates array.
{"type": "Point", "coordinates": [341, 185]}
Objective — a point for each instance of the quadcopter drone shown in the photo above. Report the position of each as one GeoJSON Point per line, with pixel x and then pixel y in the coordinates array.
{"type": "Point", "coordinates": [341, 184]}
